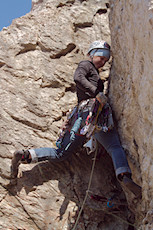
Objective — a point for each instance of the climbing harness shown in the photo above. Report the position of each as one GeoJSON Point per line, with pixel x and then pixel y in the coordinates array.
{"type": "Point", "coordinates": [86, 118]}
{"type": "Point", "coordinates": [91, 120]}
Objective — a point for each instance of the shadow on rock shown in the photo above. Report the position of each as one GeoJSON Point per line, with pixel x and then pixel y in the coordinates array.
{"type": "Point", "coordinates": [73, 178]}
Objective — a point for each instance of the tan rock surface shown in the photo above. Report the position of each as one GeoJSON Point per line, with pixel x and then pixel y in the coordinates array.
{"type": "Point", "coordinates": [131, 90]}
{"type": "Point", "coordinates": [38, 56]}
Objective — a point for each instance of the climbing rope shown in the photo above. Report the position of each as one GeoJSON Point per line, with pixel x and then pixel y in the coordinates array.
{"type": "Point", "coordinates": [87, 191]}
{"type": "Point", "coordinates": [87, 195]}
{"type": "Point", "coordinates": [100, 209]}
{"type": "Point", "coordinates": [91, 175]}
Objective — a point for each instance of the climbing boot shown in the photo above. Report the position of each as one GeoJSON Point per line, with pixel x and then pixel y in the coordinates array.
{"type": "Point", "coordinates": [132, 186]}
{"type": "Point", "coordinates": [19, 157]}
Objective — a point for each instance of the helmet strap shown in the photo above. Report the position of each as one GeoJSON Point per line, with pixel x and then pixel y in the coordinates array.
{"type": "Point", "coordinates": [91, 56]}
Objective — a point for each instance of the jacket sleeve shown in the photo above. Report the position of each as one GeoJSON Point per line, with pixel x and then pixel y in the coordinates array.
{"type": "Point", "coordinates": [80, 78]}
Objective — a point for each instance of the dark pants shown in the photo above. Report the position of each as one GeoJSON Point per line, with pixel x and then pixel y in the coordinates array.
{"type": "Point", "coordinates": [109, 140]}
{"type": "Point", "coordinates": [58, 154]}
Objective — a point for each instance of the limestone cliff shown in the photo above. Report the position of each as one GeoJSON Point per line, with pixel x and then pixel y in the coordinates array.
{"type": "Point", "coordinates": [131, 90]}
{"type": "Point", "coordinates": [38, 56]}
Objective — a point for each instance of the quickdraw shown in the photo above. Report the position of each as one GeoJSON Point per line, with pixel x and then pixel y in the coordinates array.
{"type": "Point", "coordinates": [108, 201]}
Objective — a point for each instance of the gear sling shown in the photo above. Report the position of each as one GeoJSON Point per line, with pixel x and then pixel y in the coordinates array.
{"type": "Point", "coordinates": [84, 119]}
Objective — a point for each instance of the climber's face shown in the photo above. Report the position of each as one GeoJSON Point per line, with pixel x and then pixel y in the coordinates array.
{"type": "Point", "coordinates": [99, 61]}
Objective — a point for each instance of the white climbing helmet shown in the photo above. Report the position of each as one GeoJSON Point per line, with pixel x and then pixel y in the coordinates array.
{"type": "Point", "coordinates": [99, 45]}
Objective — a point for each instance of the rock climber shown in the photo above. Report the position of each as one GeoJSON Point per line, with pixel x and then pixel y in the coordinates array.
{"type": "Point", "coordinates": [88, 86]}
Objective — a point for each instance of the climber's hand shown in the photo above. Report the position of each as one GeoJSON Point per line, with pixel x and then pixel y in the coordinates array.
{"type": "Point", "coordinates": [101, 98]}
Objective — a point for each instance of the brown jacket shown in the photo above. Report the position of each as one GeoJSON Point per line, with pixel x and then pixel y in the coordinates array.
{"type": "Point", "coordinates": [88, 82]}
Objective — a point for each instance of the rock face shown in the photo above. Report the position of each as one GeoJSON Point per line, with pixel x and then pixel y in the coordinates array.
{"type": "Point", "coordinates": [38, 56]}
{"type": "Point", "coordinates": [131, 91]}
